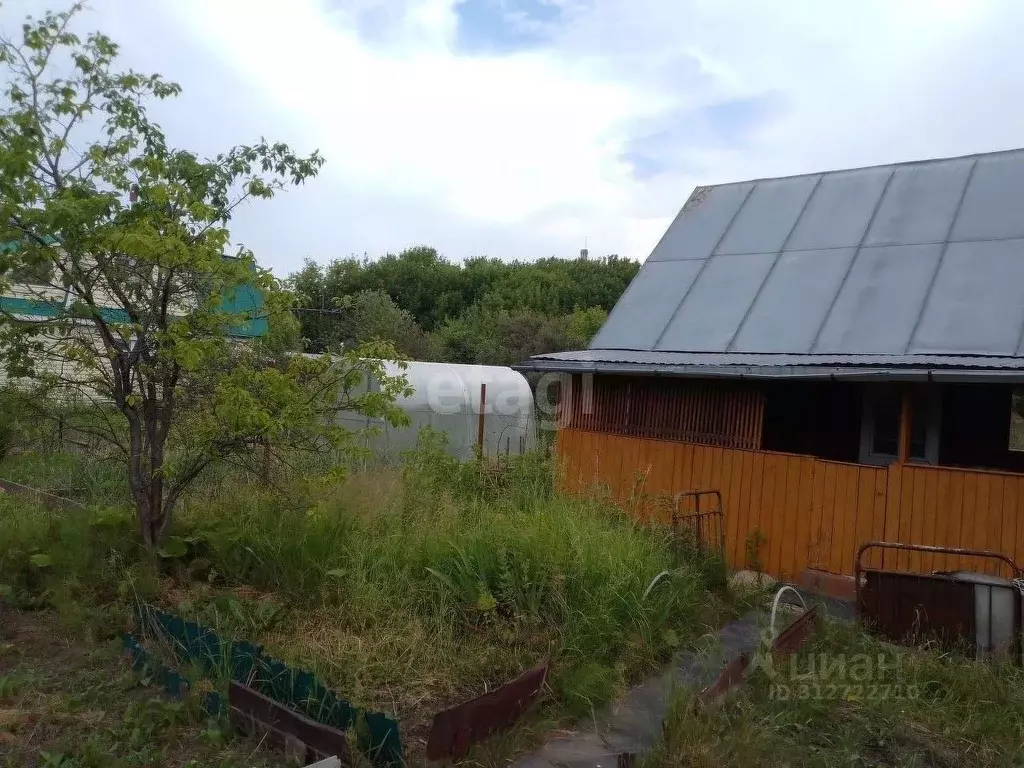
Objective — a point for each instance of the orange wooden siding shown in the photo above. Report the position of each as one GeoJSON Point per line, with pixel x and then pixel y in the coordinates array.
{"type": "Point", "coordinates": [810, 512]}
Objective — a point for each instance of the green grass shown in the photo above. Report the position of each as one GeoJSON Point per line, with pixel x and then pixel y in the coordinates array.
{"type": "Point", "coordinates": [65, 704]}
{"type": "Point", "coordinates": [406, 591]}
{"type": "Point", "coordinates": [73, 476]}
{"type": "Point", "coordinates": [918, 707]}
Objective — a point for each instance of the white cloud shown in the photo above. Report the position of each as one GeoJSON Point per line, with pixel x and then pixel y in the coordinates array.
{"type": "Point", "coordinates": [521, 154]}
{"type": "Point", "coordinates": [493, 139]}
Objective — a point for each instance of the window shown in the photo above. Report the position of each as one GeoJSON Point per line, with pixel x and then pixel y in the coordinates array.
{"type": "Point", "coordinates": [885, 424]}
{"type": "Point", "coordinates": [1017, 420]}
{"type": "Point", "coordinates": [880, 428]}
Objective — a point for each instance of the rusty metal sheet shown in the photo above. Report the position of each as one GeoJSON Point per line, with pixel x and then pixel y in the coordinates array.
{"type": "Point", "coordinates": [788, 641]}
{"type": "Point", "coordinates": [909, 607]}
{"type": "Point", "coordinates": [797, 633]}
{"type": "Point", "coordinates": [731, 675]}
{"type": "Point", "coordinates": [455, 729]}
{"type": "Point", "coordinates": [288, 731]}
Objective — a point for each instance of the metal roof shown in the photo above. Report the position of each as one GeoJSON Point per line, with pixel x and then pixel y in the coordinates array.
{"type": "Point", "coordinates": [907, 263]}
{"type": "Point", "coordinates": [775, 366]}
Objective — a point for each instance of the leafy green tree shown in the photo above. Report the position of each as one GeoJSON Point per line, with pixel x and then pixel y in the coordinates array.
{"type": "Point", "coordinates": [372, 316]}
{"type": "Point", "coordinates": [128, 308]}
{"type": "Point", "coordinates": [459, 306]}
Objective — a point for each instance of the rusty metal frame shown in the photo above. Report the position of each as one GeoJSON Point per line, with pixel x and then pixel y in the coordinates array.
{"type": "Point", "coordinates": [455, 729]}
{"type": "Point", "coordinates": [958, 551]}
{"type": "Point", "coordinates": [697, 519]}
{"type": "Point", "coordinates": [964, 627]}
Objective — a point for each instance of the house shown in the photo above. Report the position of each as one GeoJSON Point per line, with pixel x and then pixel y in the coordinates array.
{"type": "Point", "coordinates": [36, 298]}
{"type": "Point", "coordinates": [839, 354]}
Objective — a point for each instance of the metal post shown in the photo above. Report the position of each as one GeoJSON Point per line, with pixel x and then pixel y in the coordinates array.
{"type": "Point", "coordinates": [480, 419]}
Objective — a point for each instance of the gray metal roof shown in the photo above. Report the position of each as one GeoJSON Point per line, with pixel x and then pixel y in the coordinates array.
{"type": "Point", "coordinates": [896, 261]}
{"type": "Point", "coordinates": [768, 366]}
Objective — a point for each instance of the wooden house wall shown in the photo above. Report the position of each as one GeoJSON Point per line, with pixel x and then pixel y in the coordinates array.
{"type": "Point", "coordinates": [810, 512]}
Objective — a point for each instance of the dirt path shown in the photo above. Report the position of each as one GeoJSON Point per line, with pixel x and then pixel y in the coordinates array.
{"type": "Point", "coordinates": [632, 726]}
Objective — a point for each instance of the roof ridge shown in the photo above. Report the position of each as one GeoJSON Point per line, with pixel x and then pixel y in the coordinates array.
{"type": "Point", "coordinates": [833, 171]}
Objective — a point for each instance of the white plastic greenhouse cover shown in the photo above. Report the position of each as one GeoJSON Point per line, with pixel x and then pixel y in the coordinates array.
{"type": "Point", "coordinates": [446, 397]}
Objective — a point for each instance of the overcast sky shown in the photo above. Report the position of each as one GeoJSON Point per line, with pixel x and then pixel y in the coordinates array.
{"type": "Point", "coordinates": [520, 128]}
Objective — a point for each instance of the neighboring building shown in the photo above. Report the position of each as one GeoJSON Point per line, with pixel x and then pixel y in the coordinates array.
{"type": "Point", "coordinates": [837, 353]}
{"type": "Point", "coordinates": [29, 298]}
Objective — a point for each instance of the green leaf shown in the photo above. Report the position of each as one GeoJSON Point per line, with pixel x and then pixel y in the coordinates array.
{"type": "Point", "coordinates": [41, 560]}
{"type": "Point", "coordinates": [485, 602]}
{"type": "Point", "coordinates": [336, 573]}
{"type": "Point", "coordinates": [174, 547]}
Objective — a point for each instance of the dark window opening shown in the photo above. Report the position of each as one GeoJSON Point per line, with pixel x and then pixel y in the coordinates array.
{"type": "Point", "coordinates": [813, 418]}
{"type": "Point", "coordinates": [1016, 441]}
{"type": "Point", "coordinates": [981, 425]}
{"type": "Point", "coordinates": [885, 424]}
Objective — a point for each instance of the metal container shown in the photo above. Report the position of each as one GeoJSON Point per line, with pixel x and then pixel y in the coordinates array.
{"type": "Point", "coordinates": [997, 612]}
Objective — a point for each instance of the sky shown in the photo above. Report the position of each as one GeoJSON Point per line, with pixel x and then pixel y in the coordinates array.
{"type": "Point", "coordinates": [528, 128]}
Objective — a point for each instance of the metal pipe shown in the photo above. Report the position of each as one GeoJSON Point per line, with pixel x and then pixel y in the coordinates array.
{"type": "Point", "coordinates": [480, 419]}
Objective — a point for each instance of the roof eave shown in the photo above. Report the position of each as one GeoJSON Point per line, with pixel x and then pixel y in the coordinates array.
{"type": "Point", "coordinates": [802, 372]}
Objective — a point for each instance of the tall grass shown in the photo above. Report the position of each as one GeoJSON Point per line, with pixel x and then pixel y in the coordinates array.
{"type": "Point", "coordinates": [918, 707]}
{"type": "Point", "coordinates": [407, 589]}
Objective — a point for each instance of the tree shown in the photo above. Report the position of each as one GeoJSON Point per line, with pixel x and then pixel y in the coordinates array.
{"type": "Point", "coordinates": [135, 309]}
{"type": "Point", "coordinates": [457, 306]}
{"type": "Point", "coordinates": [370, 316]}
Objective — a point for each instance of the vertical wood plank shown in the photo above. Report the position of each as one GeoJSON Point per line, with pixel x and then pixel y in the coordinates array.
{"type": "Point", "coordinates": [805, 517]}
{"type": "Point", "coordinates": [993, 539]}
{"type": "Point", "coordinates": [816, 555]}
{"type": "Point", "coordinates": [893, 503]}
{"type": "Point", "coordinates": [739, 510]}
{"type": "Point", "coordinates": [865, 512]}
{"type": "Point", "coordinates": [941, 514]}
{"type": "Point", "coordinates": [928, 521]}
{"type": "Point", "coordinates": [767, 506]}
{"type": "Point", "coordinates": [793, 551]}
{"type": "Point", "coordinates": [1008, 528]}
{"type": "Point", "coordinates": [852, 512]}
{"type": "Point", "coordinates": [973, 517]}
{"type": "Point", "coordinates": [917, 521]}
{"type": "Point", "coordinates": [750, 493]}
{"type": "Point", "coordinates": [874, 558]}
{"type": "Point", "coordinates": [906, 515]}
{"type": "Point", "coordinates": [728, 458]}
{"type": "Point", "coordinates": [968, 515]}
{"type": "Point", "coordinates": [777, 530]}
{"type": "Point", "coordinates": [1018, 518]}
{"type": "Point", "coordinates": [831, 526]}
{"type": "Point", "coordinates": [954, 519]}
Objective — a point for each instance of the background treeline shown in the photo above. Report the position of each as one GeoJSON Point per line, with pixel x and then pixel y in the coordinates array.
{"type": "Point", "coordinates": [480, 311]}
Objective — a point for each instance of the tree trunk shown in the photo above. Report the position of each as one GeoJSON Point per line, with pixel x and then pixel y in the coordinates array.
{"type": "Point", "coordinates": [145, 478]}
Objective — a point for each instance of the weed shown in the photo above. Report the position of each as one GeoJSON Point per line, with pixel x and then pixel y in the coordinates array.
{"type": "Point", "coordinates": [752, 550]}
{"type": "Point", "coordinates": [849, 699]}
{"type": "Point", "coordinates": [406, 590]}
